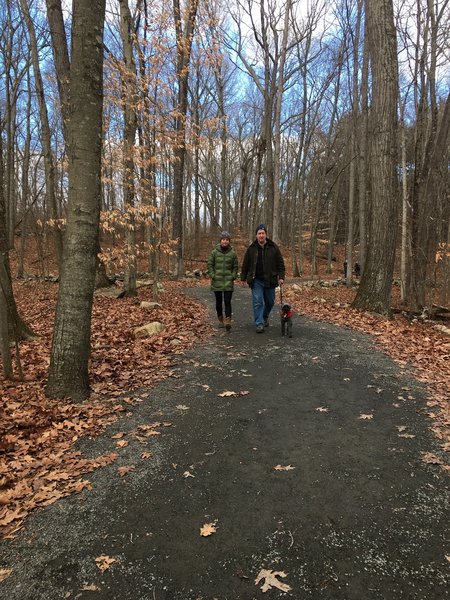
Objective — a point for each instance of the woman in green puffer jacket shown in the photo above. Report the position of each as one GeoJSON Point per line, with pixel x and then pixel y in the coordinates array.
{"type": "Point", "coordinates": [222, 269]}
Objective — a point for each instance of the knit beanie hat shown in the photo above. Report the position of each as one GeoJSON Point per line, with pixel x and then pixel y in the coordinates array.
{"type": "Point", "coordinates": [261, 226]}
{"type": "Point", "coordinates": [224, 235]}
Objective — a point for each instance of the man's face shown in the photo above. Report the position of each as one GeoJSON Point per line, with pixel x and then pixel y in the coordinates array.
{"type": "Point", "coordinates": [224, 242]}
{"type": "Point", "coordinates": [261, 236]}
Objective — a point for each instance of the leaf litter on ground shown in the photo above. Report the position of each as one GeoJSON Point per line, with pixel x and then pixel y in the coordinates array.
{"type": "Point", "coordinates": [40, 435]}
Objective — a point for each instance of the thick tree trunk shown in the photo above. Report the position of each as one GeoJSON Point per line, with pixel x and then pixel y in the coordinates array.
{"type": "Point", "coordinates": [68, 374]}
{"type": "Point", "coordinates": [375, 288]}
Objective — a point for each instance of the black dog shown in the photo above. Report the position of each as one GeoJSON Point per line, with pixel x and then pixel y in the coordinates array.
{"type": "Point", "coordinates": [286, 320]}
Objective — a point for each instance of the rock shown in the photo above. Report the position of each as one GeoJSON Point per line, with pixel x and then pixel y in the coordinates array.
{"type": "Point", "coordinates": [149, 329]}
{"type": "Point", "coordinates": [151, 305]}
{"type": "Point", "coordinates": [110, 292]}
{"type": "Point", "coordinates": [175, 342]}
{"type": "Point", "coordinates": [144, 283]}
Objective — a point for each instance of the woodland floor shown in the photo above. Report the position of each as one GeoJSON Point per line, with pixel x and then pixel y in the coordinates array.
{"type": "Point", "coordinates": [148, 393]}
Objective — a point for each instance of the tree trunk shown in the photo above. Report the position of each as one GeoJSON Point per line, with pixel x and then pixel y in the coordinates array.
{"type": "Point", "coordinates": [129, 96]}
{"type": "Point", "coordinates": [17, 328]}
{"type": "Point", "coordinates": [184, 35]}
{"type": "Point", "coordinates": [68, 374]}
{"type": "Point", "coordinates": [277, 129]}
{"type": "Point", "coordinates": [60, 57]}
{"type": "Point", "coordinates": [375, 288]}
{"type": "Point", "coordinates": [49, 163]}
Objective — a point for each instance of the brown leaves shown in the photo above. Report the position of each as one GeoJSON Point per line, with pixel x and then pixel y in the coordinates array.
{"type": "Point", "coordinates": [37, 461]}
{"type": "Point", "coordinates": [284, 468]}
{"type": "Point", "coordinates": [4, 574]}
{"type": "Point", "coordinates": [122, 471]}
{"type": "Point", "coordinates": [208, 529]}
{"type": "Point", "coordinates": [104, 562]}
{"type": "Point", "coordinates": [271, 581]}
{"type": "Point", "coordinates": [231, 394]}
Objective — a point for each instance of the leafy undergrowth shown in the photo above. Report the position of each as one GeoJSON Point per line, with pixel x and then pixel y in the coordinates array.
{"type": "Point", "coordinates": [39, 459]}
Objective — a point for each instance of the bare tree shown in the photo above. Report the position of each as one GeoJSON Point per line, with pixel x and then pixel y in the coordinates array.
{"type": "Point", "coordinates": [49, 162]}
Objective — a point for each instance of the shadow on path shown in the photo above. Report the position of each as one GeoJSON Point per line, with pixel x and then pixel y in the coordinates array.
{"type": "Point", "coordinates": [353, 513]}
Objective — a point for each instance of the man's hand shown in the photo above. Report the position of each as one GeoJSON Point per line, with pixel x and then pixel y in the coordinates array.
{"type": "Point", "coordinates": [280, 281]}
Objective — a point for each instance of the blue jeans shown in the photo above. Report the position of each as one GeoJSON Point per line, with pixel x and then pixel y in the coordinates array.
{"type": "Point", "coordinates": [263, 300]}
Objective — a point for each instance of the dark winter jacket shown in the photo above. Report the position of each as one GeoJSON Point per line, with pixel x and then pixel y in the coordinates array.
{"type": "Point", "coordinates": [273, 264]}
{"type": "Point", "coordinates": [222, 268]}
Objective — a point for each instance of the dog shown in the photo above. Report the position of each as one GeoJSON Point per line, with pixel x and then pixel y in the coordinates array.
{"type": "Point", "coordinates": [286, 320]}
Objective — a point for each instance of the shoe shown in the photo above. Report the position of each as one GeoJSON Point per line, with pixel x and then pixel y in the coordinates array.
{"type": "Point", "coordinates": [228, 323]}
{"type": "Point", "coordinates": [260, 329]}
{"type": "Point", "coordinates": [266, 322]}
{"type": "Point", "coordinates": [221, 324]}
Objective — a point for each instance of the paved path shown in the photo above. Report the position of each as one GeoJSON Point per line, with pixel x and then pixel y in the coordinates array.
{"type": "Point", "coordinates": [358, 516]}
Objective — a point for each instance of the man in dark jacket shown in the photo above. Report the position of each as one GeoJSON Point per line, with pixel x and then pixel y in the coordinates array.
{"type": "Point", "coordinates": [263, 270]}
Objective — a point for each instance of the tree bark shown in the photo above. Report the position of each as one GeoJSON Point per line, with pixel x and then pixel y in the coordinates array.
{"type": "Point", "coordinates": [184, 35]}
{"type": "Point", "coordinates": [16, 327]}
{"type": "Point", "coordinates": [49, 162]}
{"type": "Point", "coordinates": [129, 94]}
{"type": "Point", "coordinates": [68, 374]}
{"type": "Point", "coordinates": [375, 288]}
{"type": "Point", "coordinates": [60, 56]}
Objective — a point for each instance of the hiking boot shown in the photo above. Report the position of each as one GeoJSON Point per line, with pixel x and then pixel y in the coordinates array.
{"type": "Point", "coordinates": [221, 324]}
{"type": "Point", "coordinates": [266, 322]}
{"type": "Point", "coordinates": [260, 329]}
{"type": "Point", "coordinates": [228, 323]}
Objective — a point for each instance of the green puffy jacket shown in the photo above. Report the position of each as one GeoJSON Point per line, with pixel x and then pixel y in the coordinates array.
{"type": "Point", "coordinates": [222, 268]}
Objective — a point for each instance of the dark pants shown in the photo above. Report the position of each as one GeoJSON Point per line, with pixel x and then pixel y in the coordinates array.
{"type": "Point", "coordinates": [226, 298]}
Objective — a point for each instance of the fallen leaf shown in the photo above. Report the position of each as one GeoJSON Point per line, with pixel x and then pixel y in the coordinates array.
{"type": "Point", "coordinates": [5, 573]}
{"type": "Point", "coordinates": [104, 562]}
{"type": "Point", "coordinates": [365, 417]}
{"type": "Point", "coordinates": [122, 443]}
{"type": "Point", "coordinates": [322, 409]}
{"type": "Point", "coordinates": [286, 468]}
{"type": "Point", "coordinates": [227, 393]}
{"type": "Point", "coordinates": [146, 455]}
{"type": "Point", "coordinates": [208, 529]}
{"type": "Point", "coordinates": [187, 474]}
{"type": "Point", "coordinates": [182, 407]}
{"type": "Point", "coordinates": [406, 435]}
{"type": "Point", "coordinates": [271, 581]}
{"type": "Point", "coordinates": [431, 458]}
{"type": "Point", "coordinates": [125, 470]}
{"type": "Point", "coordinates": [401, 427]}
{"type": "Point", "coordinates": [90, 588]}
